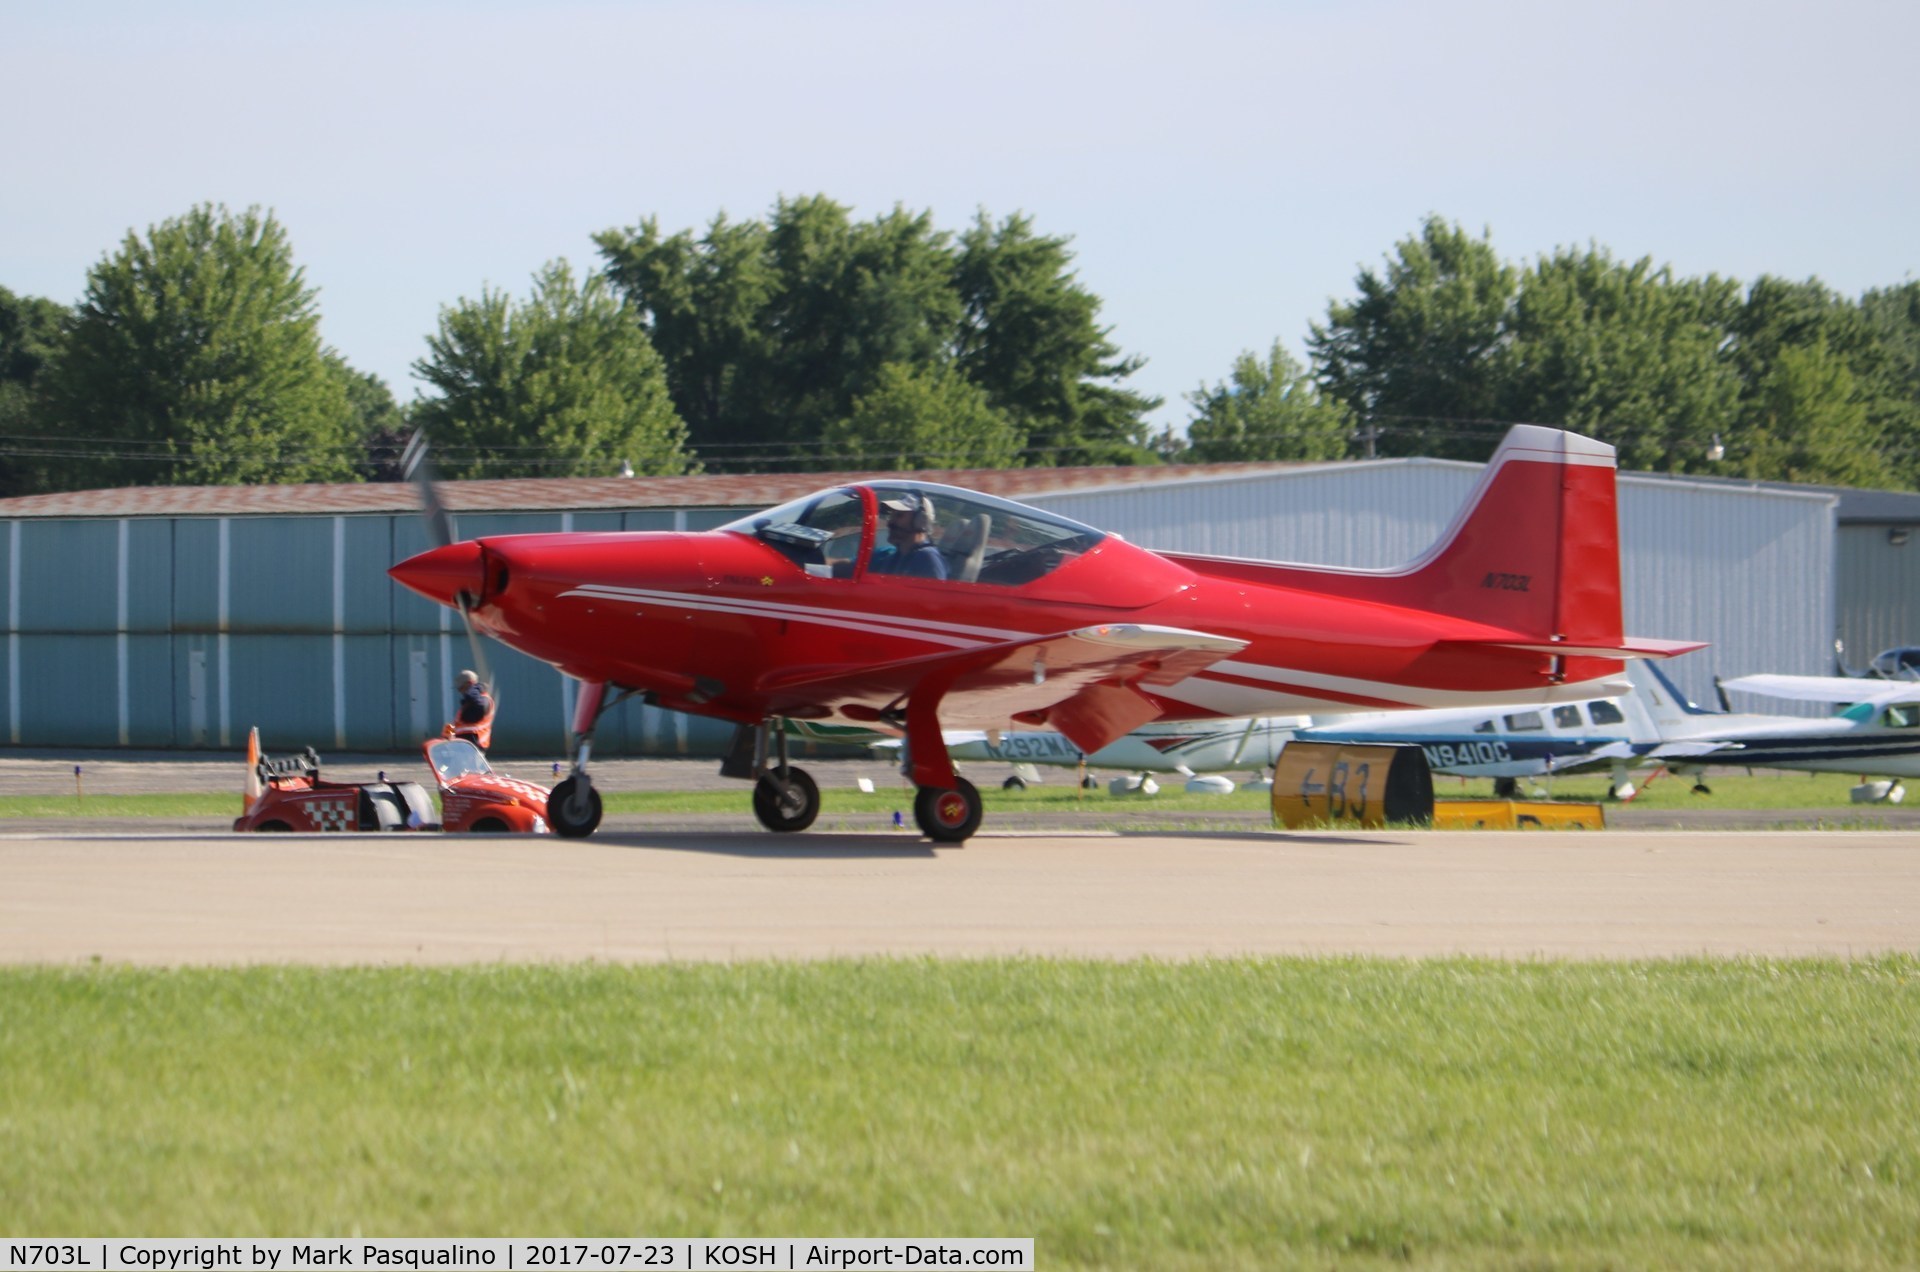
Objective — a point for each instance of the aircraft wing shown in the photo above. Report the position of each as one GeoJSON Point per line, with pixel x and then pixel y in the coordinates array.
{"type": "Point", "coordinates": [1621, 750]}
{"type": "Point", "coordinates": [1823, 688]}
{"type": "Point", "coordinates": [890, 744]}
{"type": "Point", "coordinates": [1692, 749]}
{"type": "Point", "coordinates": [1085, 683]}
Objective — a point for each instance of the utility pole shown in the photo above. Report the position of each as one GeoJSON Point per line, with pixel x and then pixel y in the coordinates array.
{"type": "Point", "coordinates": [1368, 433]}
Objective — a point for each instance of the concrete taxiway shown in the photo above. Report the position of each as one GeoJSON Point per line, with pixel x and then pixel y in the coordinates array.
{"type": "Point", "coordinates": [630, 896]}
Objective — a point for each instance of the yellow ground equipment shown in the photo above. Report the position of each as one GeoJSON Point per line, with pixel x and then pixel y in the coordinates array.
{"type": "Point", "coordinates": [1509, 814]}
{"type": "Point", "coordinates": [1316, 783]}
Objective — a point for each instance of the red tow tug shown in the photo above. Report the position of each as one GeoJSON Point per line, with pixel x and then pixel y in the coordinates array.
{"type": "Point", "coordinates": [289, 794]}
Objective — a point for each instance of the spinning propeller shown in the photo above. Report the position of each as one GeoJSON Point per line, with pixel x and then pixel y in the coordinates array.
{"type": "Point", "coordinates": [453, 558]}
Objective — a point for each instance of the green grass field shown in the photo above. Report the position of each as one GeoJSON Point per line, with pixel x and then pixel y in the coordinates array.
{"type": "Point", "coordinates": [1731, 790]}
{"type": "Point", "coordinates": [1230, 1114]}
{"type": "Point", "coordinates": [1224, 1114]}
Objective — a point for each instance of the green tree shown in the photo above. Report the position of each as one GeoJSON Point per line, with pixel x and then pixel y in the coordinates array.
{"type": "Point", "coordinates": [1414, 354]}
{"type": "Point", "coordinates": [849, 300]}
{"type": "Point", "coordinates": [1822, 329]}
{"type": "Point", "coordinates": [1267, 410]}
{"type": "Point", "coordinates": [919, 418]}
{"type": "Point", "coordinates": [30, 335]}
{"type": "Point", "coordinates": [566, 384]}
{"type": "Point", "coordinates": [379, 426]}
{"type": "Point", "coordinates": [195, 357]}
{"type": "Point", "coordinates": [1893, 315]}
{"type": "Point", "coordinates": [772, 331]}
{"type": "Point", "coordinates": [1809, 422]}
{"type": "Point", "coordinates": [701, 303]}
{"type": "Point", "coordinates": [1622, 352]}
{"type": "Point", "coordinates": [1031, 338]}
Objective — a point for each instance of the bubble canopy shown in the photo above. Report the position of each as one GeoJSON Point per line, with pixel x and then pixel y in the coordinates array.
{"type": "Point", "coordinates": [984, 539]}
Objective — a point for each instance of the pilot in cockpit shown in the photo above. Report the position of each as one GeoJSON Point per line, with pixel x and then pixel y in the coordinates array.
{"type": "Point", "coordinates": [910, 521]}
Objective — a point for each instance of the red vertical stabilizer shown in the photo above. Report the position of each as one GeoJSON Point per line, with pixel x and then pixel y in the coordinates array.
{"type": "Point", "coordinates": [1534, 554]}
{"type": "Point", "coordinates": [1536, 549]}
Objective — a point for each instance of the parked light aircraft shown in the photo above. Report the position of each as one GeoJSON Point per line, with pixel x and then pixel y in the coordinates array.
{"type": "Point", "coordinates": [1878, 736]}
{"type": "Point", "coordinates": [798, 613]}
{"type": "Point", "coordinates": [1655, 723]}
{"type": "Point", "coordinates": [1186, 747]}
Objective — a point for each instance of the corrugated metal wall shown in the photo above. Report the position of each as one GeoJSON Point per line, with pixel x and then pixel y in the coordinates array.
{"type": "Point", "coordinates": [1880, 579]}
{"type": "Point", "coordinates": [1749, 570]}
{"type": "Point", "coordinates": [184, 632]}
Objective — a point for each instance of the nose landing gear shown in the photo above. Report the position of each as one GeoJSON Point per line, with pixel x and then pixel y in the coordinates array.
{"type": "Point", "coordinates": [573, 806]}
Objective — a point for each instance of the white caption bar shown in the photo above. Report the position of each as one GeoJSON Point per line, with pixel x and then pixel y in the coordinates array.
{"type": "Point", "coordinates": [509, 1254]}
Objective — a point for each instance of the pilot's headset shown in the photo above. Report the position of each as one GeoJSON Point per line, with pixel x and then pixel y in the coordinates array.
{"type": "Point", "coordinates": [919, 505]}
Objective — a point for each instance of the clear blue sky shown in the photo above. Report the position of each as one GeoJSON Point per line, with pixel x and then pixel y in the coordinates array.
{"type": "Point", "coordinates": [1224, 169]}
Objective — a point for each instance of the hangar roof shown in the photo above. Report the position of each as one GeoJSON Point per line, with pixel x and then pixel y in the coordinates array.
{"type": "Point", "coordinates": [748, 490]}
{"type": "Point", "coordinates": [1856, 506]}
{"type": "Point", "coordinates": [533, 494]}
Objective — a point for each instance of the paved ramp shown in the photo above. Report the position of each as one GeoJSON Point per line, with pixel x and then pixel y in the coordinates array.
{"type": "Point", "coordinates": [645, 897]}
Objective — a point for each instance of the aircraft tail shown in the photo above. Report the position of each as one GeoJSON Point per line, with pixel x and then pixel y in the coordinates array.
{"type": "Point", "coordinates": [1534, 554]}
{"type": "Point", "coordinates": [1536, 549]}
{"type": "Point", "coordinates": [1663, 700]}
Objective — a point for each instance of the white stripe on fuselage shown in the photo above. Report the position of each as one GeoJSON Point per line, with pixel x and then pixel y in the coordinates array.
{"type": "Point", "coordinates": [933, 631]}
{"type": "Point", "coordinates": [1293, 691]}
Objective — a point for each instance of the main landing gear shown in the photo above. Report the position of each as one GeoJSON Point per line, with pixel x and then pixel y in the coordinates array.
{"type": "Point", "coordinates": [946, 807]}
{"type": "Point", "coordinates": [948, 816]}
{"type": "Point", "coordinates": [785, 798]}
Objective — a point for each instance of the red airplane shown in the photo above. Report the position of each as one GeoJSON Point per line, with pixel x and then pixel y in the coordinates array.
{"type": "Point", "coordinates": [907, 607]}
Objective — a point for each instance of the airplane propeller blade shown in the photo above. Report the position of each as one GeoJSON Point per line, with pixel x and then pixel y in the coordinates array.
{"type": "Point", "coordinates": [416, 464]}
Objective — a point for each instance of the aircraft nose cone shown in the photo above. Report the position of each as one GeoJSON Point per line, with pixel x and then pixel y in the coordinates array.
{"type": "Point", "coordinates": [441, 574]}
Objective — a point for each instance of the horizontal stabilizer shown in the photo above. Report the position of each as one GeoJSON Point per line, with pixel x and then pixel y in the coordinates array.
{"type": "Point", "coordinates": [1626, 648]}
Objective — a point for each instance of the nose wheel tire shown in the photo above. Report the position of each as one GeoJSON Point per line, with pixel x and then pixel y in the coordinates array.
{"type": "Point", "coordinates": [787, 806]}
{"type": "Point", "coordinates": [948, 816]}
{"type": "Point", "coordinates": [573, 808]}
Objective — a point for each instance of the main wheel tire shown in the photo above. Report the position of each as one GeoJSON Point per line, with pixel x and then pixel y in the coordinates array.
{"type": "Point", "coordinates": [1014, 783]}
{"type": "Point", "coordinates": [274, 827]}
{"type": "Point", "coordinates": [573, 808]}
{"type": "Point", "coordinates": [787, 808]}
{"type": "Point", "coordinates": [1506, 788]}
{"type": "Point", "coordinates": [489, 826]}
{"type": "Point", "coordinates": [948, 816]}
